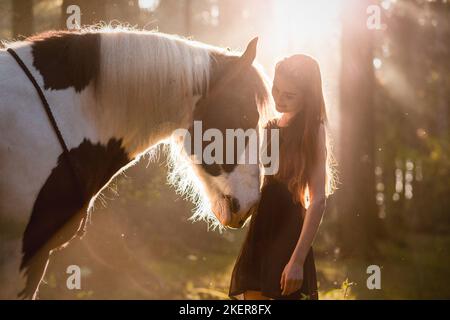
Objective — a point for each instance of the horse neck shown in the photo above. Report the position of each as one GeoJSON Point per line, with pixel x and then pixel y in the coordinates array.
{"type": "Point", "coordinates": [142, 98]}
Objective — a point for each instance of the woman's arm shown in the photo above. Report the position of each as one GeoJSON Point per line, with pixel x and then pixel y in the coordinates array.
{"type": "Point", "coordinates": [315, 211]}
{"type": "Point", "coordinates": [292, 276]}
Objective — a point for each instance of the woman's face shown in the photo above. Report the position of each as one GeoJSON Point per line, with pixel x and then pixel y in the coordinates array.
{"type": "Point", "coordinates": [286, 94]}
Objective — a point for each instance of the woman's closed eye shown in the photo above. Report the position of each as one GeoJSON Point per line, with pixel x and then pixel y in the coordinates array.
{"type": "Point", "coordinates": [289, 96]}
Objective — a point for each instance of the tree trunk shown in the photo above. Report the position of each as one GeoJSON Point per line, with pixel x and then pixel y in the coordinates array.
{"type": "Point", "coordinates": [22, 20]}
{"type": "Point", "coordinates": [356, 197]}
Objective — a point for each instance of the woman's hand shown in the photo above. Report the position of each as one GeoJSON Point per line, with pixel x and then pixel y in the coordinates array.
{"type": "Point", "coordinates": [291, 278]}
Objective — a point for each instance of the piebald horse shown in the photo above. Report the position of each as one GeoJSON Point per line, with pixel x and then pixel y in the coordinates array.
{"type": "Point", "coordinates": [114, 94]}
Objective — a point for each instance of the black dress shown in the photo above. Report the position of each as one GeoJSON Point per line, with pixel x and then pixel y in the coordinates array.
{"type": "Point", "coordinates": [273, 233]}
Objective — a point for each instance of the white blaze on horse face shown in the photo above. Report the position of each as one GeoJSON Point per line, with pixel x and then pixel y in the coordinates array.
{"type": "Point", "coordinates": [242, 184]}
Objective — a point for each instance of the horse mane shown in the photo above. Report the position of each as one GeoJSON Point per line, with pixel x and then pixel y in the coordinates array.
{"type": "Point", "coordinates": [148, 79]}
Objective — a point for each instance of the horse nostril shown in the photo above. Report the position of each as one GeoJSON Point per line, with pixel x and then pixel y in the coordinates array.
{"type": "Point", "coordinates": [235, 207]}
{"type": "Point", "coordinates": [234, 203]}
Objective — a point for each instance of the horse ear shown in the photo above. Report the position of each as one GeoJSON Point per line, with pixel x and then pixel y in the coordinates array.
{"type": "Point", "coordinates": [250, 53]}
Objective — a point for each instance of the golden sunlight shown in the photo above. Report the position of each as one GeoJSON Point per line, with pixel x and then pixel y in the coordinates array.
{"type": "Point", "coordinates": [308, 27]}
{"type": "Point", "coordinates": [149, 4]}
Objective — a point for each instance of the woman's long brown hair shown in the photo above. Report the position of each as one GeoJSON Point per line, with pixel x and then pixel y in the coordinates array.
{"type": "Point", "coordinates": [298, 150]}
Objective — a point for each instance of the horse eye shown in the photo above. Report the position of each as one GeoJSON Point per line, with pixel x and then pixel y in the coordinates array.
{"type": "Point", "coordinates": [212, 169]}
{"type": "Point", "coordinates": [228, 167]}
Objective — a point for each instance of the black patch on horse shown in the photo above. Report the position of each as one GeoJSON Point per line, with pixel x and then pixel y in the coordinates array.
{"type": "Point", "coordinates": [230, 104]}
{"type": "Point", "coordinates": [67, 59]}
{"type": "Point", "coordinates": [59, 211]}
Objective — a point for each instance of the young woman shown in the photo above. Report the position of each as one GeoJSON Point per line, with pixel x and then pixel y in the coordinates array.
{"type": "Point", "coordinates": [276, 260]}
